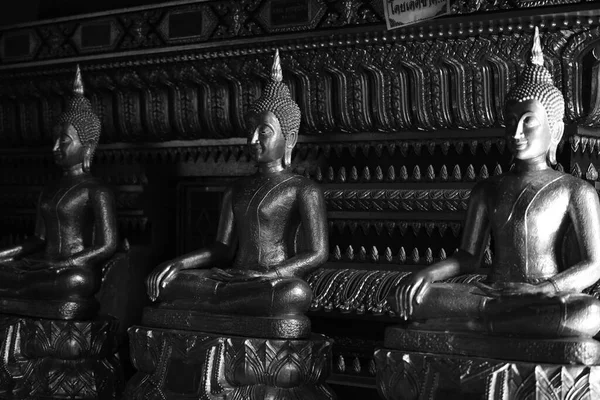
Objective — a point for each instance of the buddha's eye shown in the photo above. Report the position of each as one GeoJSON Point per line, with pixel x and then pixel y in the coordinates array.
{"type": "Point", "coordinates": [531, 122]}
{"type": "Point", "coordinates": [266, 131]}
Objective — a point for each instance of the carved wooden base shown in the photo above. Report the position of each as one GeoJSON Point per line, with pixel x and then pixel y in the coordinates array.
{"type": "Point", "coordinates": [575, 351]}
{"type": "Point", "coordinates": [420, 364]}
{"type": "Point", "coordinates": [175, 364]}
{"type": "Point", "coordinates": [50, 359]}
{"type": "Point", "coordinates": [405, 376]}
{"type": "Point", "coordinates": [55, 309]}
{"type": "Point", "coordinates": [286, 327]}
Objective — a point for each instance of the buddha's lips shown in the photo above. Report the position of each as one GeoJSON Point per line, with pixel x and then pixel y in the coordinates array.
{"type": "Point", "coordinates": [257, 149]}
{"type": "Point", "coordinates": [520, 144]}
{"type": "Point", "coordinates": [57, 155]}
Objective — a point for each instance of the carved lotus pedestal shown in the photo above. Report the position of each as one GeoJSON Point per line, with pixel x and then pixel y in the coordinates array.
{"type": "Point", "coordinates": [443, 365]}
{"type": "Point", "coordinates": [177, 364]}
{"type": "Point", "coordinates": [57, 359]}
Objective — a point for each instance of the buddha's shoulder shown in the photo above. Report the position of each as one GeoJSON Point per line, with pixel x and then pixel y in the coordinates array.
{"type": "Point", "coordinates": [96, 187]}
{"type": "Point", "coordinates": [576, 186]}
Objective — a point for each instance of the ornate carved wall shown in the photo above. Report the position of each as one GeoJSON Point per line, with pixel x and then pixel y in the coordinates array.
{"type": "Point", "coordinates": [397, 126]}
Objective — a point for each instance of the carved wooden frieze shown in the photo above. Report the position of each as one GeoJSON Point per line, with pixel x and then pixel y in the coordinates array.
{"type": "Point", "coordinates": [368, 82]}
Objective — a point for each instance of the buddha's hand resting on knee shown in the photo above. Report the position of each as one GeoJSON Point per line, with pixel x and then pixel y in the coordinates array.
{"type": "Point", "coordinates": [56, 266]}
{"type": "Point", "coordinates": [500, 290]}
{"type": "Point", "coordinates": [410, 293]}
{"type": "Point", "coordinates": [237, 275]}
{"type": "Point", "coordinates": [158, 278]}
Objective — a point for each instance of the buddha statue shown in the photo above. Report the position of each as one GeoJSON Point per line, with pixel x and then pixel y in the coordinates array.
{"type": "Point", "coordinates": [530, 211]}
{"type": "Point", "coordinates": [272, 229]}
{"type": "Point", "coordinates": [57, 271]}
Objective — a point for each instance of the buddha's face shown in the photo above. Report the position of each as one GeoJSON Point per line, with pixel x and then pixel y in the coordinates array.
{"type": "Point", "coordinates": [265, 140]}
{"type": "Point", "coordinates": [527, 129]}
{"type": "Point", "coordinates": [68, 150]}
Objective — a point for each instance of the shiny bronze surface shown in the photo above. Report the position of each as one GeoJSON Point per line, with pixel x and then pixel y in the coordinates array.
{"type": "Point", "coordinates": [201, 365]}
{"type": "Point", "coordinates": [75, 230]}
{"type": "Point", "coordinates": [534, 286]}
{"type": "Point", "coordinates": [412, 375]}
{"type": "Point", "coordinates": [53, 359]}
{"type": "Point", "coordinates": [272, 229]}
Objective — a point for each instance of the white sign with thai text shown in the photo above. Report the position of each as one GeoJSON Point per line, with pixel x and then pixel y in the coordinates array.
{"type": "Point", "coordinates": [400, 13]}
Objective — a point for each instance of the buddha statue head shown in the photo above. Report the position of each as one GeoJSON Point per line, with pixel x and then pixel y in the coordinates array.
{"type": "Point", "coordinates": [534, 111]}
{"type": "Point", "coordinates": [274, 121]}
{"type": "Point", "coordinates": [77, 130]}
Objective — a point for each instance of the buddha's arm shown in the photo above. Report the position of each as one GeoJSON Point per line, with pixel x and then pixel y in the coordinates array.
{"type": "Point", "coordinates": [222, 250]}
{"type": "Point", "coordinates": [105, 241]}
{"type": "Point", "coordinates": [32, 244]}
{"type": "Point", "coordinates": [584, 210]}
{"type": "Point", "coordinates": [314, 222]}
{"type": "Point", "coordinates": [474, 239]}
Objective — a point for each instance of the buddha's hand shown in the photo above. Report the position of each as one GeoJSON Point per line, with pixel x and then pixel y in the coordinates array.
{"type": "Point", "coordinates": [410, 293]}
{"type": "Point", "coordinates": [56, 266]}
{"type": "Point", "coordinates": [159, 278]}
{"type": "Point", "coordinates": [515, 289]}
{"type": "Point", "coordinates": [236, 275]}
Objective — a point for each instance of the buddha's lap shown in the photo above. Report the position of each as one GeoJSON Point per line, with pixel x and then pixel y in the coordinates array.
{"type": "Point", "coordinates": [199, 287]}
{"type": "Point", "coordinates": [23, 277]}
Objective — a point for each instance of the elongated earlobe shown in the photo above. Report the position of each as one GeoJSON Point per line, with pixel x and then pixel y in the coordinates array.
{"type": "Point", "coordinates": [556, 136]}
{"type": "Point", "coordinates": [290, 143]}
{"type": "Point", "coordinates": [287, 159]}
{"type": "Point", "coordinates": [88, 154]}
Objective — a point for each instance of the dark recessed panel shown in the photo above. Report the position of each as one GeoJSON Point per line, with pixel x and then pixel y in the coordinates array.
{"type": "Point", "coordinates": [96, 35]}
{"type": "Point", "coordinates": [17, 45]}
{"type": "Point", "coordinates": [289, 12]}
{"type": "Point", "coordinates": [185, 24]}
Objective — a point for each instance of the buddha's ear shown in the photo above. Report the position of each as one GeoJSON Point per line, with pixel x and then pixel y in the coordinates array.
{"type": "Point", "coordinates": [290, 143]}
{"type": "Point", "coordinates": [88, 153]}
{"type": "Point", "coordinates": [554, 141]}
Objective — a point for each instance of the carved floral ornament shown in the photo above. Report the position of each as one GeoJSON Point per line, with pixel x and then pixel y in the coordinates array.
{"type": "Point", "coordinates": [361, 82]}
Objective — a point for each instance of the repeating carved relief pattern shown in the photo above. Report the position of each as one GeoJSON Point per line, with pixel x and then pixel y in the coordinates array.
{"type": "Point", "coordinates": [228, 368]}
{"type": "Point", "coordinates": [415, 376]}
{"type": "Point", "coordinates": [45, 358]}
{"type": "Point", "coordinates": [357, 85]}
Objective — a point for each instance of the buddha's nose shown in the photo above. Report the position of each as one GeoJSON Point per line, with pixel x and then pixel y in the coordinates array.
{"type": "Point", "coordinates": [254, 137]}
{"type": "Point", "coordinates": [56, 145]}
{"type": "Point", "coordinates": [518, 133]}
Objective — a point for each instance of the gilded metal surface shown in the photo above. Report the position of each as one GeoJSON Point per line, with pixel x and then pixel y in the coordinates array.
{"type": "Point", "coordinates": [75, 232]}
{"type": "Point", "coordinates": [283, 327]}
{"type": "Point", "coordinates": [173, 364]}
{"type": "Point", "coordinates": [272, 231]}
{"type": "Point", "coordinates": [576, 351]}
{"type": "Point", "coordinates": [44, 359]}
{"type": "Point", "coordinates": [150, 28]}
{"type": "Point", "coordinates": [537, 217]}
{"type": "Point", "coordinates": [408, 375]}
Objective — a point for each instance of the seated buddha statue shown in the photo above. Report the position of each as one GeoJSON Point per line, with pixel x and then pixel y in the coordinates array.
{"type": "Point", "coordinates": [57, 271]}
{"type": "Point", "coordinates": [529, 211]}
{"type": "Point", "coordinates": [257, 263]}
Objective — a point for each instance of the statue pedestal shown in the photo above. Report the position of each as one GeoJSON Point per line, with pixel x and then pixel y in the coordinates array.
{"type": "Point", "coordinates": [57, 359]}
{"type": "Point", "coordinates": [443, 365]}
{"type": "Point", "coordinates": [176, 364]}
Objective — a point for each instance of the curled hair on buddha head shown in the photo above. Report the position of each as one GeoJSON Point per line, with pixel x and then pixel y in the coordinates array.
{"type": "Point", "coordinates": [276, 98]}
{"type": "Point", "coordinates": [537, 84]}
{"type": "Point", "coordinates": [78, 113]}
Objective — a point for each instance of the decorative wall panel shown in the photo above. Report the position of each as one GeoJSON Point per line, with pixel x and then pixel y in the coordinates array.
{"type": "Point", "coordinates": [397, 126]}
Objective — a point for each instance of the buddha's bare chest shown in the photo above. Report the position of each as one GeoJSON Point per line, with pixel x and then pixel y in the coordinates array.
{"type": "Point", "coordinates": [529, 208]}
{"type": "Point", "coordinates": [64, 202]}
{"type": "Point", "coordinates": [265, 201]}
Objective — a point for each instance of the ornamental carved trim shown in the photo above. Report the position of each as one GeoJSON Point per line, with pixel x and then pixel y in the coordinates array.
{"type": "Point", "coordinates": [368, 82]}
{"type": "Point", "coordinates": [402, 375]}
